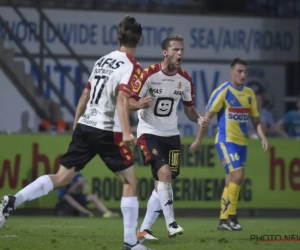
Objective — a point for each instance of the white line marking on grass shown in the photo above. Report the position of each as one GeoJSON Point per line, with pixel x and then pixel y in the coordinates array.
{"type": "Point", "coordinates": [8, 236]}
{"type": "Point", "coordinates": [51, 226]}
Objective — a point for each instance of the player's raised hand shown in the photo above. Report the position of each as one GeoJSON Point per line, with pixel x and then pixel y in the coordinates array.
{"type": "Point", "coordinates": [194, 147]}
{"type": "Point", "coordinates": [145, 102]}
{"type": "Point", "coordinates": [265, 144]}
{"type": "Point", "coordinates": [129, 140]}
{"type": "Point", "coordinates": [203, 121]}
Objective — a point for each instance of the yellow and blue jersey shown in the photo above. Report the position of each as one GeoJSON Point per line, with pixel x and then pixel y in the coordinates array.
{"type": "Point", "coordinates": [234, 106]}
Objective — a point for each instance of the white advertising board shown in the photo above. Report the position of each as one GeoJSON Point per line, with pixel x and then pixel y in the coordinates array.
{"type": "Point", "coordinates": [92, 33]}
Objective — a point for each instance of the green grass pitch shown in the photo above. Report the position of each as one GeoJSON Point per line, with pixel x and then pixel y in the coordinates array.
{"type": "Point", "coordinates": [55, 233]}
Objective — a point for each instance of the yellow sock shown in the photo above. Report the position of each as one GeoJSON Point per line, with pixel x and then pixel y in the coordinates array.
{"type": "Point", "coordinates": [233, 195]}
{"type": "Point", "coordinates": [224, 204]}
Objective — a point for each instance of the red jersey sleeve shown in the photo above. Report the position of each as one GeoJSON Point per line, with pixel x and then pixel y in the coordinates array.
{"type": "Point", "coordinates": [88, 85]}
{"type": "Point", "coordinates": [188, 95]}
{"type": "Point", "coordinates": [140, 87]}
{"type": "Point", "coordinates": [128, 80]}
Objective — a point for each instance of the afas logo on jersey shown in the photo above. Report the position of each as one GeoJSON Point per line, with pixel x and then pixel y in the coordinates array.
{"type": "Point", "coordinates": [238, 114]}
{"type": "Point", "coordinates": [177, 92]}
{"type": "Point", "coordinates": [155, 91]}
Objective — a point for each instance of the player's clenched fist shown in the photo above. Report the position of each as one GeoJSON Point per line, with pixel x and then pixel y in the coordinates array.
{"type": "Point", "coordinates": [203, 121]}
{"type": "Point", "coordinates": [129, 139]}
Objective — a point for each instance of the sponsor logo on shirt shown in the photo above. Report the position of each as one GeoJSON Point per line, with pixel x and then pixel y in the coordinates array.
{"type": "Point", "coordinates": [238, 114]}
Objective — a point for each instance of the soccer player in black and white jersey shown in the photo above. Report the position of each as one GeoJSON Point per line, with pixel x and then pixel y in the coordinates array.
{"type": "Point", "coordinates": [108, 89]}
{"type": "Point", "coordinates": [158, 135]}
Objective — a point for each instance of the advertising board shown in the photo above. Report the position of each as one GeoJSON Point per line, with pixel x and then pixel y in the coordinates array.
{"type": "Point", "coordinates": [206, 38]}
{"type": "Point", "coordinates": [272, 179]}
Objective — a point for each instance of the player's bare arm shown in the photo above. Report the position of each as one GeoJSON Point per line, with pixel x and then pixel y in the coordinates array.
{"type": "Point", "coordinates": [143, 103]}
{"type": "Point", "coordinates": [123, 112]}
{"type": "Point", "coordinates": [191, 113]}
{"type": "Point", "coordinates": [260, 131]}
{"type": "Point", "coordinates": [203, 122]}
{"type": "Point", "coordinates": [193, 116]}
{"type": "Point", "coordinates": [84, 98]}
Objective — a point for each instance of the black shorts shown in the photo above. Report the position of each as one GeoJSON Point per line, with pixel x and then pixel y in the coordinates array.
{"type": "Point", "coordinates": [87, 142]}
{"type": "Point", "coordinates": [159, 151]}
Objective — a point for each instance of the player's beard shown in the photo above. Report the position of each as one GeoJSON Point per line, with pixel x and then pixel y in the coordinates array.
{"type": "Point", "coordinates": [171, 66]}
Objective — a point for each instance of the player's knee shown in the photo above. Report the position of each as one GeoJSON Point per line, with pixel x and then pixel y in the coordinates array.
{"type": "Point", "coordinates": [133, 182]}
{"type": "Point", "coordinates": [130, 187]}
{"type": "Point", "coordinates": [60, 180]}
{"type": "Point", "coordinates": [227, 180]}
{"type": "Point", "coordinates": [165, 174]}
{"type": "Point", "coordinates": [237, 176]}
{"type": "Point", "coordinates": [238, 180]}
{"type": "Point", "coordinates": [63, 176]}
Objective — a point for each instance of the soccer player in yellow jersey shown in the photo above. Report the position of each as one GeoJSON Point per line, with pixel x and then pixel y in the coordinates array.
{"type": "Point", "coordinates": [234, 104]}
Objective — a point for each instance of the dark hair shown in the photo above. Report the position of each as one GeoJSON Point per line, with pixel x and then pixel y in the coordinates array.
{"type": "Point", "coordinates": [129, 32]}
{"type": "Point", "coordinates": [237, 60]}
{"type": "Point", "coordinates": [166, 42]}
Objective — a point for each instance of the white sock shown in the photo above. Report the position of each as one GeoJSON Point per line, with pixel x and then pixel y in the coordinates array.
{"type": "Point", "coordinates": [165, 195]}
{"type": "Point", "coordinates": [130, 211]}
{"type": "Point", "coordinates": [40, 187]}
{"type": "Point", "coordinates": [153, 211]}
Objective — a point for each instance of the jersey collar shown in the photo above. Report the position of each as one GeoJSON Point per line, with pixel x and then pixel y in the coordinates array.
{"type": "Point", "coordinates": [236, 88]}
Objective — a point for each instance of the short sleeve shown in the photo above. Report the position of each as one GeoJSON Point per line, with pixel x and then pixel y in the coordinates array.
{"type": "Point", "coordinates": [129, 78]}
{"type": "Point", "coordinates": [188, 95]}
{"type": "Point", "coordinates": [140, 87]}
{"type": "Point", "coordinates": [216, 100]}
{"type": "Point", "coordinates": [88, 85]}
